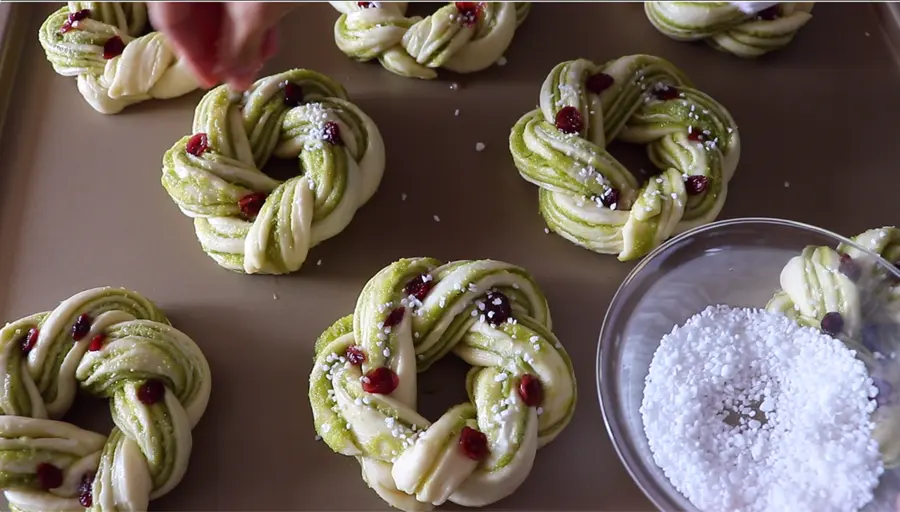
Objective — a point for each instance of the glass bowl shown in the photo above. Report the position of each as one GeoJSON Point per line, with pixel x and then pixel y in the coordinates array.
{"type": "Point", "coordinates": [737, 263]}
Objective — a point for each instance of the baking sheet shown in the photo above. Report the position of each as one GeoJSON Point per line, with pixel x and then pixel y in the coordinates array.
{"type": "Point", "coordinates": [81, 206]}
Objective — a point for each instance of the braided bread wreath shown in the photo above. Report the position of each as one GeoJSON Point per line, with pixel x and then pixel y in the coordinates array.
{"type": "Point", "coordinates": [102, 44]}
{"type": "Point", "coordinates": [726, 28]}
{"type": "Point", "coordinates": [463, 37]}
{"type": "Point", "coordinates": [362, 388]}
{"type": "Point", "coordinates": [586, 195]}
{"type": "Point", "coordinates": [247, 221]}
{"type": "Point", "coordinates": [822, 288]}
{"type": "Point", "coordinates": [111, 343]}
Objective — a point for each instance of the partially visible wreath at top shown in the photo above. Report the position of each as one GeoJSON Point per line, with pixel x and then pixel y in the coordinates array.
{"type": "Point", "coordinates": [727, 28]}
{"type": "Point", "coordinates": [117, 63]}
{"type": "Point", "coordinates": [463, 37]}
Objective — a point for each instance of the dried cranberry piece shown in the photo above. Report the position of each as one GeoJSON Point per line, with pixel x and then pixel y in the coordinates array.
{"type": "Point", "coordinates": [833, 323]}
{"type": "Point", "coordinates": [666, 92]}
{"type": "Point", "coordinates": [769, 13]}
{"type": "Point", "coordinates": [395, 317]}
{"type": "Point", "coordinates": [97, 342]}
{"type": "Point", "coordinates": [696, 184]}
{"type": "Point", "coordinates": [419, 287]}
{"type": "Point", "coordinates": [696, 135]}
{"type": "Point", "coordinates": [531, 390]}
{"type": "Point", "coordinates": [380, 381]}
{"type": "Point", "coordinates": [497, 308]}
{"type": "Point", "coordinates": [113, 47]}
{"type": "Point", "coordinates": [293, 94]}
{"type": "Point", "coordinates": [364, 5]}
{"type": "Point", "coordinates": [73, 18]}
{"type": "Point", "coordinates": [29, 340]}
{"type": "Point", "coordinates": [355, 355]}
{"type": "Point", "coordinates": [86, 490]}
{"type": "Point", "coordinates": [568, 120]}
{"type": "Point", "coordinates": [473, 443]}
{"type": "Point", "coordinates": [151, 391]}
{"type": "Point", "coordinates": [332, 133]}
{"type": "Point", "coordinates": [197, 144]}
{"type": "Point", "coordinates": [49, 476]}
{"type": "Point", "coordinates": [599, 83]}
{"type": "Point", "coordinates": [849, 268]}
{"type": "Point", "coordinates": [81, 326]}
{"type": "Point", "coordinates": [468, 12]}
{"type": "Point", "coordinates": [251, 204]}
{"type": "Point", "coordinates": [611, 197]}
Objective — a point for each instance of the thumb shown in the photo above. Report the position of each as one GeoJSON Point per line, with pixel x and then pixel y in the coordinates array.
{"type": "Point", "coordinates": [247, 38]}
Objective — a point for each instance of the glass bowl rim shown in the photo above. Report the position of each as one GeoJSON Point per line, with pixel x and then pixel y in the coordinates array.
{"type": "Point", "coordinates": [615, 428]}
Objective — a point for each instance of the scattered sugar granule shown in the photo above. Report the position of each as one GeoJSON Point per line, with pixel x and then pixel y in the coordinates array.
{"type": "Point", "coordinates": [454, 86]}
{"type": "Point", "coordinates": [403, 196]}
{"type": "Point", "coordinates": [456, 112]}
{"type": "Point", "coordinates": [437, 219]}
{"type": "Point", "coordinates": [479, 146]}
{"type": "Point", "coordinates": [319, 263]}
{"type": "Point", "coordinates": [275, 296]}
{"type": "Point", "coordinates": [501, 61]}
{"type": "Point", "coordinates": [546, 231]}
{"type": "Point", "coordinates": [807, 446]}
{"type": "Point", "coordinates": [787, 184]}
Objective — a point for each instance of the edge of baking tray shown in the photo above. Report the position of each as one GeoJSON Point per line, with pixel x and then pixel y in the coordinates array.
{"type": "Point", "coordinates": [12, 29]}
{"type": "Point", "coordinates": [889, 15]}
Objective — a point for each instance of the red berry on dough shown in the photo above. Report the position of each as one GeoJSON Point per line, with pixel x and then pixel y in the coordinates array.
{"type": "Point", "coordinates": [468, 12]}
{"type": "Point", "coordinates": [81, 327]}
{"type": "Point", "coordinates": [696, 184]}
{"type": "Point", "coordinates": [197, 144]}
{"type": "Point", "coordinates": [531, 391]}
{"type": "Point", "coordinates": [394, 317]}
{"type": "Point", "coordinates": [49, 476]}
{"type": "Point", "coordinates": [355, 355]}
{"type": "Point", "coordinates": [97, 342]}
{"type": "Point", "coordinates": [251, 204]}
{"type": "Point", "coordinates": [151, 391]}
{"type": "Point", "coordinates": [497, 308]}
{"type": "Point", "coordinates": [473, 443]}
{"type": "Point", "coordinates": [113, 47]}
{"type": "Point", "coordinates": [666, 92]}
{"type": "Point", "coordinates": [419, 286]}
{"type": "Point", "coordinates": [380, 381]}
{"type": "Point", "coordinates": [599, 83]}
{"type": "Point", "coordinates": [293, 94]}
{"type": "Point", "coordinates": [568, 120]}
{"type": "Point", "coordinates": [29, 340]}
{"type": "Point", "coordinates": [332, 133]}
{"type": "Point", "coordinates": [86, 490]}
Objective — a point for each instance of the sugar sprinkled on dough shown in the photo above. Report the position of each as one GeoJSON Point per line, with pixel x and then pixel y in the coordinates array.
{"type": "Point", "coordinates": [747, 410]}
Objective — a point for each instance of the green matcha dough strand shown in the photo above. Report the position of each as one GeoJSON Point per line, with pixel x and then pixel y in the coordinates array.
{"type": "Point", "coordinates": [464, 41]}
{"type": "Point", "coordinates": [728, 29]}
{"type": "Point", "coordinates": [110, 343]}
{"type": "Point", "coordinates": [103, 44]}
{"type": "Point", "coordinates": [586, 195]}
{"type": "Point", "coordinates": [245, 220]}
{"type": "Point", "coordinates": [492, 315]}
{"type": "Point", "coordinates": [846, 292]}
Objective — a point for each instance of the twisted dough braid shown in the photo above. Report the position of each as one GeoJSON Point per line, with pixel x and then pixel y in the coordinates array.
{"type": "Point", "coordinates": [77, 41]}
{"type": "Point", "coordinates": [726, 28]}
{"type": "Point", "coordinates": [114, 344]}
{"type": "Point", "coordinates": [412, 313]}
{"type": "Point", "coordinates": [463, 36]}
{"type": "Point", "coordinates": [295, 114]}
{"type": "Point", "coordinates": [591, 199]}
{"type": "Point", "coordinates": [849, 284]}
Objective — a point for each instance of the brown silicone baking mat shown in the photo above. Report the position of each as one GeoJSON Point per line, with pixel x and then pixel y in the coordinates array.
{"type": "Point", "coordinates": [81, 205]}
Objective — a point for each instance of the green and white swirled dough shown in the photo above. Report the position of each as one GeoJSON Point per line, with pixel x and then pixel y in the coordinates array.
{"type": "Point", "coordinates": [586, 195]}
{"type": "Point", "coordinates": [110, 343]}
{"type": "Point", "coordinates": [727, 28]}
{"type": "Point", "coordinates": [463, 36]}
{"type": "Point", "coordinates": [521, 386]}
{"type": "Point", "coordinates": [104, 45]}
{"type": "Point", "coordinates": [848, 285]}
{"type": "Point", "coordinates": [247, 221]}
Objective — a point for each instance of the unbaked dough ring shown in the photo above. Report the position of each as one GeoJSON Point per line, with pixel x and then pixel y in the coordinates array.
{"type": "Point", "coordinates": [111, 343]}
{"type": "Point", "coordinates": [102, 44]}
{"type": "Point", "coordinates": [247, 221]}
{"type": "Point", "coordinates": [823, 281]}
{"type": "Point", "coordinates": [409, 315]}
{"type": "Point", "coordinates": [586, 195]}
{"type": "Point", "coordinates": [726, 28]}
{"type": "Point", "coordinates": [464, 37]}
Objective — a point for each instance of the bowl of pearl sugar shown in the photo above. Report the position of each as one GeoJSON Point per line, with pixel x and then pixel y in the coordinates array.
{"type": "Point", "coordinates": [752, 365]}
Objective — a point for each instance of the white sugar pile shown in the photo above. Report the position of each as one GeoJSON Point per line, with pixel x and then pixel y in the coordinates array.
{"type": "Point", "coordinates": [747, 410]}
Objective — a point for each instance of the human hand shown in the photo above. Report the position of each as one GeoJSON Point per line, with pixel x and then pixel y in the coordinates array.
{"type": "Point", "coordinates": [221, 41]}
